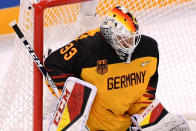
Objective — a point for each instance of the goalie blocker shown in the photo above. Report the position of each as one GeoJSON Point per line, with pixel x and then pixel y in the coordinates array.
{"type": "Point", "coordinates": [73, 106]}
{"type": "Point", "coordinates": [156, 118]}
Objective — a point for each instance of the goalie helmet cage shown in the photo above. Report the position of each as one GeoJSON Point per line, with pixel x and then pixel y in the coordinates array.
{"type": "Point", "coordinates": [53, 23]}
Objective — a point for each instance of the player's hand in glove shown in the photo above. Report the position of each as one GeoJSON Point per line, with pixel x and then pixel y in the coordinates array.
{"type": "Point", "coordinates": [157, 118]}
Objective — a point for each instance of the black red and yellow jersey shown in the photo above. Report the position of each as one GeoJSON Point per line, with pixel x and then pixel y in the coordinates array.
{"type": "Point", "coordinates": [123, 89]}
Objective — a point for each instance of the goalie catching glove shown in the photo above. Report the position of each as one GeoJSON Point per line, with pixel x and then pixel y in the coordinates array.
{"type": "Point", "coordinates": [157, 118]}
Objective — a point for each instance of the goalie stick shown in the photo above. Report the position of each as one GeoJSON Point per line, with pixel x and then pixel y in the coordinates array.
{"type": "Point", "coordinates": [19, 33]}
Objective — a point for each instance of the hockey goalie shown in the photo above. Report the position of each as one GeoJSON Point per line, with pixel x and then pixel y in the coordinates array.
{"type": "Point", "coordinates": [120, 66]}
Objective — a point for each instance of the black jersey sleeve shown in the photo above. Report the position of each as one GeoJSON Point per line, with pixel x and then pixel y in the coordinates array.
{"type": "Point", "coordinates": [152, 86]}
{"type": "Point", "coordinates": [148, 47]}
{"type": "Point", "coordinates": [64, 62]}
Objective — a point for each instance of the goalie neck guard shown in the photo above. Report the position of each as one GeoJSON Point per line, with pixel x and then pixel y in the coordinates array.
{"type": "Point", "coordinates": [120, 29]}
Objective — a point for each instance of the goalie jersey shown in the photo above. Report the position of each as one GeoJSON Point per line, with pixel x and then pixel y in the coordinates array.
{"type": "Point", "coordinates": [123, 89]}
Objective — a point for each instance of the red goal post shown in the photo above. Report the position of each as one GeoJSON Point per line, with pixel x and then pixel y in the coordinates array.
{"type": "Point", "coordinates": [38, 47]}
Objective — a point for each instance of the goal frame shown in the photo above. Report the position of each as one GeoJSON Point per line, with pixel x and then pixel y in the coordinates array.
{"type": "Point", "coordinates": [38, 48]}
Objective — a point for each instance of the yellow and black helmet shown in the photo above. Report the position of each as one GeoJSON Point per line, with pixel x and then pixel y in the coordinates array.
{"type": "Point", "coordinates": [120, 29]}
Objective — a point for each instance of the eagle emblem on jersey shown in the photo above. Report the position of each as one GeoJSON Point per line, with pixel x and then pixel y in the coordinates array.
{"type": "Point", "coordinates": [102, 66]}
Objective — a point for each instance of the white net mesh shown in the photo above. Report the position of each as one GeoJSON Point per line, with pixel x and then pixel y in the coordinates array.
{"type": "Point", "coordinates": [172, 23]}
{"type": "Point", "coordinates": [16, 96]}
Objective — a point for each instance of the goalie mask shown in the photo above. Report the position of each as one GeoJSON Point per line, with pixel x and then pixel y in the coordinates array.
{"type": "Point", "coordinates": [120, 29]}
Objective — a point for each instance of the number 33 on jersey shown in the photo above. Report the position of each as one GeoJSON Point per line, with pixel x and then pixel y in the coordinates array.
{"type": "Point", "coordinates": [68, 51]}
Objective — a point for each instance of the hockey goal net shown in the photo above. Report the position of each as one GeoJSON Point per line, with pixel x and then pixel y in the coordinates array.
{"type": "Point", "coordinates": [48, 24]}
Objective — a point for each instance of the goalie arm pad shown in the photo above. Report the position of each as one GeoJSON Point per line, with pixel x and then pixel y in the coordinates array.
{"type": "Point", "coordinates": [156, 118]}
